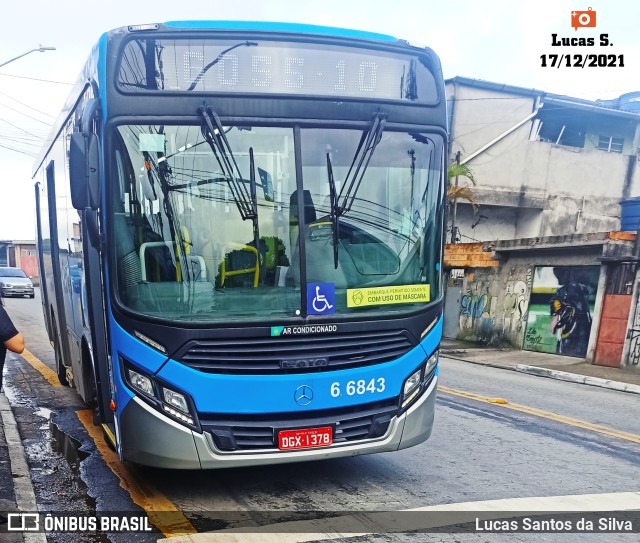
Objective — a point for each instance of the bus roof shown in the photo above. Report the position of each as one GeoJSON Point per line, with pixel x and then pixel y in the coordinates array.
{"type": "Point", "coordinates": [267, 26]}
{"type": "Point", "coordinates": [282, 27]}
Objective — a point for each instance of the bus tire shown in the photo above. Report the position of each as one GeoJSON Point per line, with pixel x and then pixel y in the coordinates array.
{"type": "Point", "coordinates": [61, 369]}
{"type": "Point", "coordinates": [90, 382]}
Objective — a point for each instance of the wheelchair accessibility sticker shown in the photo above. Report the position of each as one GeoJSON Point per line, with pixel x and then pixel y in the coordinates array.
{"type": "Point", "coordinates": [321, 298]}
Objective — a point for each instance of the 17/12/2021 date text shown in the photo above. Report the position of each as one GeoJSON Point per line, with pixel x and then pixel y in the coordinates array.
{"type": "Point", "coordinates": [582, 61]}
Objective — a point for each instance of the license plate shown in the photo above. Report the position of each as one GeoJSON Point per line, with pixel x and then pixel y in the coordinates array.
{"type": "Point", "coordinates": [306, 438]}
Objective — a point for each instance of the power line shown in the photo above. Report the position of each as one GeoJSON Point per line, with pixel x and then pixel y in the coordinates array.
{"type": "Point", "coordinates": [26, 115]}
{"type": "Point", "coordinates": [32, 155]}
{"type": "Point", "coordinates": [36, 79]}
{"type": "Point", "coordinates": [23, 130]}
{"type": "Point", "coordinates": [22, 135]}
{"type": "Point", "coordinates": [27, 106]}
{"type": "Point", "coordinates": [21, 139]}
{"type": "Point", "coordinates": [27, 140]}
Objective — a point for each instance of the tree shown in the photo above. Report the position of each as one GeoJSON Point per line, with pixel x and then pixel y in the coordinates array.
{"type": "Point", "coordinates": [455, 191]}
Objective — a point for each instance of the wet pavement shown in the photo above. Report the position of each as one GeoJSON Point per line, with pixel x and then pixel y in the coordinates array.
{"type": "Point", "coordinates": [68, 473]}
{"type": "Point", "coordinates": [54, 476]}
{"type": "Point", "coordinates": [68, 476]}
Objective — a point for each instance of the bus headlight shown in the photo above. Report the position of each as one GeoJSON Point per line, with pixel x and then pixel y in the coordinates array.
{"type": "Point", "coordinates": [418, 381]}
{"type": "Point", "coordinates": [175, 399]}
{"type": "Point", "coordinates": [141, 382]}
{"type": "Point", "coordinates": [153, 390]}
{"type": "Point", "coordinates": [412, 383]}
{"type": "Point", "coordinates": [432, 362]}
{"type": "Point", "coordinates": [411, 388]}
{"type": "Point", "coordinates": [176, 405]}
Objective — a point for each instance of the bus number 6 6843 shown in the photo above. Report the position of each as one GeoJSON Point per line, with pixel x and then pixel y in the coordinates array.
{"type": "Point", "coordinates": [358, 388]}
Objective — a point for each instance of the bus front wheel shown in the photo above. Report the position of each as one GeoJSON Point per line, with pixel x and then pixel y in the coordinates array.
{"type": "Point", "coordinates": [61, 369]}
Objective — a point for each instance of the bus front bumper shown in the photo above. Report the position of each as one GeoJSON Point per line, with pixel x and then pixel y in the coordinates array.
{"type": "Point", "coordinates": [149, 438]}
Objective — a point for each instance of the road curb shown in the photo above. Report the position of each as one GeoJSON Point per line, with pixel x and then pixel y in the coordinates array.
{"type": "Point", "coordinates": [22, 486]}
{"type": "Point", "coordinates": [553, 374]}
{"type": "Point", "coordinates": [476, 362]}
{"type": "Point", "coordinates": [576, 378]}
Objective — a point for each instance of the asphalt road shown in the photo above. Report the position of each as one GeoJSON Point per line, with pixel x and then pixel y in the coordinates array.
{"type": "Point", "coordinates": [479, 451]}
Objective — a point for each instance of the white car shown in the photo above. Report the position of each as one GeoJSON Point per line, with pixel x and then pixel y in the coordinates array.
{"type": "Point", "coordinates": [14, 282]}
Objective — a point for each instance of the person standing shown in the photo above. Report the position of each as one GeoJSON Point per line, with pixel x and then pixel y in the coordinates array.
{"type": "Point", "coordinates": [10, 339]}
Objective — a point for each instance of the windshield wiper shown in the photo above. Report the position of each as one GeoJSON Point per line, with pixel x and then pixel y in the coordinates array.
{"type": "Point", "coordinates": [165, 175]}
{"type": "Point", "coordinates": [246, 200]}
{"type": "Point", "coordinates": [254, 203]}
{"type": "Point", "coordinates": [368, 143]}
{"type": "Point", "coordinates": [213, 132]}
{"type": "Point", "coordinates": [333, 201]}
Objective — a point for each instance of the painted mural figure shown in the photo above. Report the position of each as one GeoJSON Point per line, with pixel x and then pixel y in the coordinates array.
{"type": "Point", "coordinates": [571, 318]}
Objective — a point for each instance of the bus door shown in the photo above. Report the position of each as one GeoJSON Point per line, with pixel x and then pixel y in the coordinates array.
{"type": "Point", "coordinates": [53, 277]}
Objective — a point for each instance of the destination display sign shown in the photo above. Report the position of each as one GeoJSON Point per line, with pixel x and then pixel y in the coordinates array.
{"type": "Point", "coordinates": [269, 67]}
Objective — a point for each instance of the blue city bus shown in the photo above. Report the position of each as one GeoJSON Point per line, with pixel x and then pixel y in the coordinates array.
{"type": "Point", "coordinates": [240, 238]}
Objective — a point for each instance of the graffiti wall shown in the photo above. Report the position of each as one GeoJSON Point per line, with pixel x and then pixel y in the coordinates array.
{"type": "Point", "coordinates": [560, 309]}
{"type": "Point", "coordinates": [493, 305]}
{"type": "Point", "coordinates": [478, 306]}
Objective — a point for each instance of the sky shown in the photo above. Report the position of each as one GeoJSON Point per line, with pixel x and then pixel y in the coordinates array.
{"type": "Point", "coordinates": [496, 40]}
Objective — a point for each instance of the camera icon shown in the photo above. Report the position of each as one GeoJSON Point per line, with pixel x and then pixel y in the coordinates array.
{"type": "Point", "coordinates": [583, 19]}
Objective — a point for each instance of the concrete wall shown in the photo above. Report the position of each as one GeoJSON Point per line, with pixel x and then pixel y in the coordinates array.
{"type": "Point", "coordinates": [27, 260]}
{"type": "Point", "coordinates": [491, 223]}
{"type": "Point", "coordinates": [480, 115]}
{"type": "Point", "coordinates": [494, 301]}
{"type": "Point", "coordinates": [493, 305]}
{"type": "Point", "coordinates": [542, 189]}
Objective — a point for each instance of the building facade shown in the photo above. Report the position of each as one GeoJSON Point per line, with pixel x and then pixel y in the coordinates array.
{"type": "Point", "coordinates": [551, 172]}
{"type": "Point", "coordinates": [20, 254]}
{"type": "Point", "coordinates": [546, 165]}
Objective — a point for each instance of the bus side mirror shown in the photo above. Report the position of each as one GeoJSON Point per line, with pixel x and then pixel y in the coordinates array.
{"type": "Point", "coordinates": [84, 170]}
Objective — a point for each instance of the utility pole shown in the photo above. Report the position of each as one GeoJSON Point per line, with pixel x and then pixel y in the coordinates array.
{"type": "Point", "coordinates": [41, 48]}
{"type": "Point", "coordinates": [455, 204]}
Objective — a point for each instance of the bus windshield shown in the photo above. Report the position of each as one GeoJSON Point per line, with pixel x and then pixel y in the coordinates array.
{"type": "Point", "coordinates": [196, 240]}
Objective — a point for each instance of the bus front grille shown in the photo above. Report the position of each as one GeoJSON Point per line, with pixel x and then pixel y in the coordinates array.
{"type": "Point", "coordinates": [260, 432]}
{"type": "Point", "coordinates": [295, 354]}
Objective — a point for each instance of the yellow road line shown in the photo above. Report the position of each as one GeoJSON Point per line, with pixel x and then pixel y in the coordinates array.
{"type": "Point", "coordinates": [40, 366]}
{"type": "Point", "coordinates": [162, 513]}
{"type": "Point", "coordinates": [577, 423]}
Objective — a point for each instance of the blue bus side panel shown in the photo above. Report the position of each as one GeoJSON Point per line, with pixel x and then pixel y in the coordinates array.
{"type": "Point", "coordinates": [136, 352]}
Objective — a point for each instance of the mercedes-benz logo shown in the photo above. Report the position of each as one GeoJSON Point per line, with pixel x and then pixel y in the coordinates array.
{"type": "Point", "coordinates": [303, 395]}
